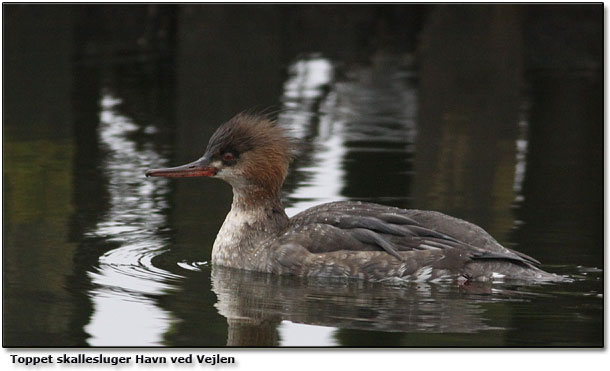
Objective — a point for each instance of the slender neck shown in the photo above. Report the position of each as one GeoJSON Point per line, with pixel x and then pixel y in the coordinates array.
{"type": "Point", "coordinates": [256, 216]}
{"type": "Point", "coordinates": [253, 198]}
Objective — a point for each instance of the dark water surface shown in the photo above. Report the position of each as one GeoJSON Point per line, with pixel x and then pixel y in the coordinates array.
{"type": "Point", "coordinates": [493, 114]}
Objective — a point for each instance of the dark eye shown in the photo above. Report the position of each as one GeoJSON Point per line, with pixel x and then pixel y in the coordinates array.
{"type": "Point", "coordinates": [228, 156]}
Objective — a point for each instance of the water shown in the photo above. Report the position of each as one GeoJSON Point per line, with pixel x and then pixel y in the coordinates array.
{"type": "Point", "coordinates": [95, 254]}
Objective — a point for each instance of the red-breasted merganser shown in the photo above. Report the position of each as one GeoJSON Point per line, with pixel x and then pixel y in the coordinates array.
{"type": "Point", "coordinates": [338, 239]}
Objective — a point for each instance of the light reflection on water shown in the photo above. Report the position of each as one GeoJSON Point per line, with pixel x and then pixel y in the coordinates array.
{"type": "Point", "coordinates": [303, 92]}
{"type": "Point", "coordinates": [126, 277]}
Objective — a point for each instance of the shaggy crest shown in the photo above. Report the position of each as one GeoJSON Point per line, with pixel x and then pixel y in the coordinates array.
{"type": "Point", "coordinates": [259, 143]}
{"type": "Point", "coordinates": [245, 132]}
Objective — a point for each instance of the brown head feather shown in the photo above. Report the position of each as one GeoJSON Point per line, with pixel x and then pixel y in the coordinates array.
{"type": "Point", "coordinates": [263, 150]}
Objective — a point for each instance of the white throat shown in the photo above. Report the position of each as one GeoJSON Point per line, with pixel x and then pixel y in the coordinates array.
{"type": "Point", "coordinates": [246, 232]}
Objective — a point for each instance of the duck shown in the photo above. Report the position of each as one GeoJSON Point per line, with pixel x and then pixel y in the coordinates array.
{"type": "Point", "coordinates": [344, 239]}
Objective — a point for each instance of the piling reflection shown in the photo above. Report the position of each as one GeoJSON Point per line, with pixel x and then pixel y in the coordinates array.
{"type": "Point", "coordinates": [351, 129]}
{"type": "Point", "coordinates": [125, 277]}
{"type": "Point", "coordinates": [471, 104]}
{"type": "Point", "coordinates": [37, 179]}
{"type": "Point", "coordinates": [308, 114]}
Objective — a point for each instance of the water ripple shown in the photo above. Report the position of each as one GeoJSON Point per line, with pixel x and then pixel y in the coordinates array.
{"type": "Point", "coordinates": [125, 278]}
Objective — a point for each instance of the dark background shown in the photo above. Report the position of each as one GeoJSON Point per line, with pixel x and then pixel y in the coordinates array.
{"type": "Point", "coordinates": [479, 72]}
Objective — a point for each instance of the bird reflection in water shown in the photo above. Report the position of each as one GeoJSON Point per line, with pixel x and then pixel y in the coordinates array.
{"type": "Point", "coordinates": [255, 304]}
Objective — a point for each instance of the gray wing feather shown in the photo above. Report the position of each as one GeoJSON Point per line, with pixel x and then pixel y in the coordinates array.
{"type": "Point", "coordinates": [359, 226]}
